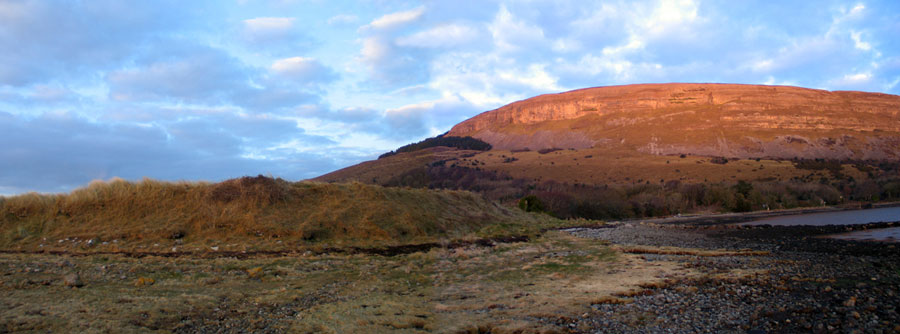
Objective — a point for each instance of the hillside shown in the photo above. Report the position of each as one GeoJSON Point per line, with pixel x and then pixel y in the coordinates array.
{"type": "Point", "coordinates": [250, 213]}
{"type": "Point", "coordinates": [743, 121]}
{"type": "Point", "coordinates": [644, 150]}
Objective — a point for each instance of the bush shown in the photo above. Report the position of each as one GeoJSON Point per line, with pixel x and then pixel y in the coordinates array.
{"type": "Point", "coordinates": [548, 150]}
{"type": "Point", "coordinates": [719, 160]}
{"type": "Point", "coordinates": [463, 143]}
{"type": "Point", "coordinates": [531, 203]}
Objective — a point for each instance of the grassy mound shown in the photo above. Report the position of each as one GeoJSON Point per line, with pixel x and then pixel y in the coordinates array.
{"type": "Point", "coordinates": [249, 213]}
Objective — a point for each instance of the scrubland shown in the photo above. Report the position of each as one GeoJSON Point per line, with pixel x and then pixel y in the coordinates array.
{"type": "Point", "coordinates": [258, 254]}
{"type": "Point", "coordinates": [251, 214]}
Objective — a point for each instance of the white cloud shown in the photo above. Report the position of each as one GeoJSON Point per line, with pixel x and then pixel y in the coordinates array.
{"type": "Point", "coordinates": [269, 25]}
{"type": "Point", "coordinates": [444, 36]}
{"type": "Point", "coordinates": [512, 34]}
{"type": "Point", "coordinates": [857, 10]}
{"type": "Point", "coordinates": [535, 76]}
{"type": "Point", "coordinates": [375, 50]}
{"type": "Point", "coordinates": [858, 42]}
{"type": "Point", "coordinates": [388, 63]}
{"type": "Point", "coordinates": [273, 34]}
{"type": "Point", "coordinates": [489, 80]}
{"type": "Point", "coordinates": [673, 12]}
{"type": "Point", "coordinates": [612, 69]}
{"type": "Point", "coordinates": [395, 20]}
{"type": "Point", "coordinates": [671, 19]}
{"type": "Point", "coordinates": [343, 19]}
{"type": "Point", "coordinates": [302, 69]}
{"type": "Point", "coordinates": [567, 45]}
{"type": "Point", "coordinates": [632, 46]}
{"type": "Point", "coordinates": [854, 79]}
{"type": "Point", "coordinates": [764, 65]}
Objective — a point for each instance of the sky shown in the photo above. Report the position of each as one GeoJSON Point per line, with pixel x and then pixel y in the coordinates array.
{"type": "Point", "coordinates": [210, 90]}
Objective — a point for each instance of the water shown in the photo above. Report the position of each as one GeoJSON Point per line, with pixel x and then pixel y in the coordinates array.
{"type": "Point", "coordinates": [852, 217]}
{"type": "Point", "coordinates": [891, 234]}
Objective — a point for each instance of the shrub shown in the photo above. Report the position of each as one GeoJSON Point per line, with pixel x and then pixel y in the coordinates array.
{"type": "Point", "coordinates": [531, 203]}
{"type": "Point", "coordinates": [719, 160]}
{"type": "Point", "coordinates": [548, 150]}
{"type": "Point", "coordinates": [463, 143]}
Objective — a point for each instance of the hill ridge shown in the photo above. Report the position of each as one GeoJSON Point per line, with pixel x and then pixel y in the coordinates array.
{"type": "Point", "coordinates": [677, 118]}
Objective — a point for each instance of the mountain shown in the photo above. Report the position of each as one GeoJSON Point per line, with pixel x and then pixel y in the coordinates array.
{"type": "Point", "coordinates": [651, 149]}
{"type": "Point", "coordinates": [729, 120]}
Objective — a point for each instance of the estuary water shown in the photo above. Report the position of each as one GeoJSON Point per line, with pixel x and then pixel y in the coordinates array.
{"type": "Point", "coordinates": [850, 217]}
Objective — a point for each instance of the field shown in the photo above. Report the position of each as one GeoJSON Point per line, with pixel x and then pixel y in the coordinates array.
{"type": "Point", "coordinates": [509, 286]}
{"type": "Point", "coordinates": [258, 254]}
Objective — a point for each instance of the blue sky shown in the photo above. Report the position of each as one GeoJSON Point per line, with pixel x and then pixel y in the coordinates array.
{"type": "Point", "coordinates": [210, 90]}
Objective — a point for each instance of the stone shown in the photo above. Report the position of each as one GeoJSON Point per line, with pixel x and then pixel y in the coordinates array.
{"type": "Point", "coordinates": [254, 272]}
{"type": "Point", "coordinates": [144, 281]}
{"type": "Point", "coordinates": [73, 280]}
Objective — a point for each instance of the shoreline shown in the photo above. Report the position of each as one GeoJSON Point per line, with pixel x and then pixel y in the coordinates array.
{"type": "Point", "coordinates": [793, 281]}
{"type": "Point", "coordinates": [741, 217]}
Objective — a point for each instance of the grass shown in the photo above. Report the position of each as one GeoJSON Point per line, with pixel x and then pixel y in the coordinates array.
{"type": "Point", "coordinates": [508, 287]}
{"type": "Point", "coordinates": [247, 214]}
{"type": "Point", "coordinates": [441, 290]}
{"type": "Point", "coordinates": [609, 165]}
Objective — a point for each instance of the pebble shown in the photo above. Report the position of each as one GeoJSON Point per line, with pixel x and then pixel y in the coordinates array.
{"type": "Point", "coordinates": [784, 298]}
{"type": "Point", "coordinates": [73, 280]}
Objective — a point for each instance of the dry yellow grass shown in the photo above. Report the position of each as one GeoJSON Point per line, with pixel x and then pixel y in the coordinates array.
{"type": "Point", "coordinates": [250, 213]}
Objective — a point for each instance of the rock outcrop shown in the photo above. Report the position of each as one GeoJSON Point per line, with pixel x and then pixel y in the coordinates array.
{"type": "Point", "coordinates": [729, 120]}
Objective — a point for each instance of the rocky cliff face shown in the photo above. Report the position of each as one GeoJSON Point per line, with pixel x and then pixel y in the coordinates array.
{"type": "Point", "coordinates": [705, 119]}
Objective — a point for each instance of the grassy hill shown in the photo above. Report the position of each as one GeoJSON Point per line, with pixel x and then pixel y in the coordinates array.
{"type": "Point", "coordinates": [610, 183]}
{"type": "Point", "coordinates": [663, 149]}
{"type": "Point", "coordinates": [249, 213]}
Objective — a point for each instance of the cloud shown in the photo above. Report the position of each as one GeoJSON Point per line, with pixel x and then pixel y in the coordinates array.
{"type": "Point", "coordinates": [858, 42]}
{"type": "Point", "coordinates": [275, 36]}
{"type": "Point", "coordinates": [444, 36]}
{"type": "Point", "coordinates": [212, 77]}
{"type": "Point", "coordinates": [671, 17]}
{"type": "Point", "coordinates": [512, 34]}
{"type": "Point", "coordinates": [57, 152]}
{"type": "Point", "coordinates": [395, 20]}
{"type": "Point", "coordinates": [428, 118]}
{"type": "Point", "coordinates": [343, 19]}
{"type": "Point", "coordinates": [45, 41]}
{"type": "Point", "coordinates": [303, 70]}
{"type": "Point", "coordinates": [389, 64]}
{"type": "Point", "coordinates": [208, 75]}
{"type": "Point", "coordinates": [854, 81]}
{"type": "Point", "coordinates": [269, 25]}
{"type": "Point", "coordinates": [265, 30]}
{"type": "Point", "coordinates": [406, 121]}
{"type": "Point", "coordinates": [265, 86]}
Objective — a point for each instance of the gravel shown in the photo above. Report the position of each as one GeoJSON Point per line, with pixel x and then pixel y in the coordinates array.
{"type": "Point", "coordinates": [805, 285]}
